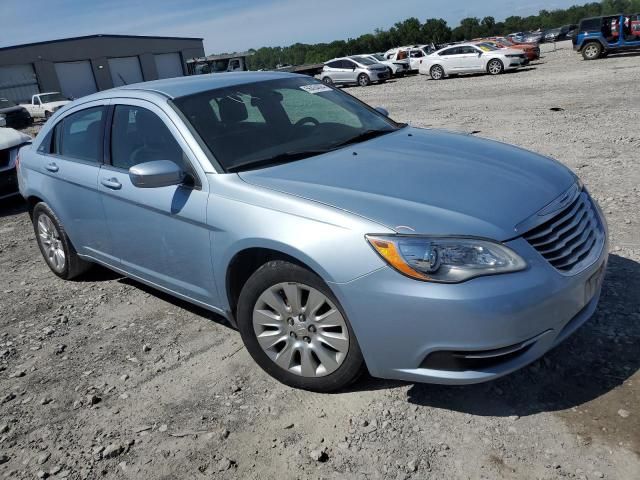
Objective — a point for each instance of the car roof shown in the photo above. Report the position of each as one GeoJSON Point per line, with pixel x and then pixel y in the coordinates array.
{"type": "Point", "coordinates": [189, 85]}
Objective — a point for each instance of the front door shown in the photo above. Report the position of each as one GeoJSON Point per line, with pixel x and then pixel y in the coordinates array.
{"type": "Point", "coordinates": [159, 234]}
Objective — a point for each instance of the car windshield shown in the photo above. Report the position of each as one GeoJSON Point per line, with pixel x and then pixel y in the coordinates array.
{"type": "Point", "coordinates": [364, 60]}
{"type": "Point", "coordinates": [52, 97]}
{"type": "Point", "coordinates": [6, 103]}
{"type": "Point", "coordinates": [258, 124]}
{"type": "Point", "coordinates": [487, 47]}
{"type": "Point", "coordinates": [378, 57]}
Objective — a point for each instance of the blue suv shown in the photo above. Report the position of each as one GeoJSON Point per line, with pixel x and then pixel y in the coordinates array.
{"type": "Point", "coordinates": [599, 36]}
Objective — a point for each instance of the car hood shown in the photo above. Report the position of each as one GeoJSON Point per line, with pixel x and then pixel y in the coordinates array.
{"type": "Point", "coordinates": [426, 181]}
{"type": "Point", "coordinates": [10, 138]}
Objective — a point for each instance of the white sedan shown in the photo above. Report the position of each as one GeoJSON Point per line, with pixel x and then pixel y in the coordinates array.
{"type": "Point", "coordinates": [471, 58]}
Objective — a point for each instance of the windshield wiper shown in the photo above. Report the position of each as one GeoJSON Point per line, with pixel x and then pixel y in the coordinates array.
{"type": "Point", "coordinates": [361, 137]}
{"type": "Point", "coordinates": [277, 159]}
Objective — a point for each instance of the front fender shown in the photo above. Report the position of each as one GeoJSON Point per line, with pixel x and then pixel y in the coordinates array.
{"type": "Point", "coordinates": [329, 241]}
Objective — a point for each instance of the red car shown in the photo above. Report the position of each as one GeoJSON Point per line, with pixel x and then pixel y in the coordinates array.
{"type": "Point", "coordinates": [531, 50]}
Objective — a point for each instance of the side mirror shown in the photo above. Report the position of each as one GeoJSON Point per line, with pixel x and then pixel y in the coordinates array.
{"type": "Point", "coordinates": [479, 54]}
{"type": "Point", "coordinates": [159, 173]}
{"type": "Point", "coordinates": [383, 111]}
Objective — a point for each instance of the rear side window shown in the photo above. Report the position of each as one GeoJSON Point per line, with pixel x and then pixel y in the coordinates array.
{"type": "Point", "coordinates": [334, 64]}
{"type": "Point", "coordinates": [449, 51]}
{"type": "Point", "coordinates": [80, 135]}
{"type": "Point", "coordinates": [139, 135]}
{"type": "Point", "coordinates": [591, 25]}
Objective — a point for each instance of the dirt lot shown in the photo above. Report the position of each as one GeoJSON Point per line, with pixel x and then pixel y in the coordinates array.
{"type": "Point", "coordinates": [106, 378]}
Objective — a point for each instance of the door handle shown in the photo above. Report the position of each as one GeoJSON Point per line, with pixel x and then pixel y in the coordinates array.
{"type": "Point", "coordinates": [52, 167]}
{"type": "Point", "coordinates": [111, 183]}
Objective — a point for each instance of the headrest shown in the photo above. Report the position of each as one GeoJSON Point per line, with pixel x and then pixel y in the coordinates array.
{"type": "Point", "coordinates": [232, 109]}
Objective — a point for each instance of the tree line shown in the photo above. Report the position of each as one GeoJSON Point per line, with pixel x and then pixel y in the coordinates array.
{"type": "Point", "coordinates": [433, 30]}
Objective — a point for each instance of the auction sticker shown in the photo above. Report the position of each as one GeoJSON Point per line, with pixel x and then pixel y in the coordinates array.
{"type": "Point", "coordinates": [316, 88]}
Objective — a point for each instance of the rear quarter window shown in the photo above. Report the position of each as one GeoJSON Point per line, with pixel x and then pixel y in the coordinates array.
{"type": "Point", "coordinates": [590, 25]}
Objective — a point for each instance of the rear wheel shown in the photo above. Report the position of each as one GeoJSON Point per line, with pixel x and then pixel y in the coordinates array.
{"type": "Point", "coordinates": [592, 51]}
{"type": "Point", "coordinates": [364, 80]}
{"type": "Point", "coordinates": [61, 257]}
{"type": "Point", "coordinates": [295, 329]}
{"type": "Point", "coordinates": [437, 72]}
{"type": "Point", "coordinates": [495, 67]}
{"type": "Point", "coordinates": [47, 115]}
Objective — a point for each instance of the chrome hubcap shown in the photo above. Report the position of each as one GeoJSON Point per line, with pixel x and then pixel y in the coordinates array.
{"type": "Point", "coordinates": [437, 73]}
{"type": "Point", "coordinates": [300, 329]}
{"type": "Point", "coordinates": [591, 51]}
{"type": "Point", "coordinates": [51, 244]}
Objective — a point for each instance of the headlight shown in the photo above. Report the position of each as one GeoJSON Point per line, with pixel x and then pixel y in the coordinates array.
{"type": "Point", "coordinates": [445, 259]}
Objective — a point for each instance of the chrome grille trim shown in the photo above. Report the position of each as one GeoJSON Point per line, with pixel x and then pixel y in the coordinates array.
{"type": "Point", "coordinates": [571, 240]}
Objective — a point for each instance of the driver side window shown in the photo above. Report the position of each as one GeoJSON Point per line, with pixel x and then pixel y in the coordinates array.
{"type": "Point", "coordinates": [138, 135]}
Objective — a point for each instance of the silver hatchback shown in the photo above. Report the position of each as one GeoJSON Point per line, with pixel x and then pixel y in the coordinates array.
{"type": "Point", "coordinates": [357, 69]}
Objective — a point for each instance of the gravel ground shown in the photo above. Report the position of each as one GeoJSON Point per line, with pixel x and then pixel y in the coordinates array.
{"type": "Point", "coordinates": [106, 378]}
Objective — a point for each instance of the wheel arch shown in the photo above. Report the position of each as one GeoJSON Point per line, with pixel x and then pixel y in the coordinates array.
{"type": "Point", "coordinates": [246, 261]}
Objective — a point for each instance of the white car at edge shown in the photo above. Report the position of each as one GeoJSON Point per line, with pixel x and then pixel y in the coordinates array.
{"type": "Point", "coordinates": [43, 105]}
{"type": "Point", "coordinates": [471, 58]}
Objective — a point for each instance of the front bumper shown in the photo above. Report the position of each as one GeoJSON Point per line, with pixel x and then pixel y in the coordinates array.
{"type": "Point", "coordinates": [514, 318]}
{"type": "Point", "coordinates": [379, 75]}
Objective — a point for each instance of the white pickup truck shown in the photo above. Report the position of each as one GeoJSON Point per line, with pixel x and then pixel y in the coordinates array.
{"type": "Point", "coordinates": [44, 104]}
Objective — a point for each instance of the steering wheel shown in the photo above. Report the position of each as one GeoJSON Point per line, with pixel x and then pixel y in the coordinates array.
{"type": "Point", "coordinates": [304, 120]}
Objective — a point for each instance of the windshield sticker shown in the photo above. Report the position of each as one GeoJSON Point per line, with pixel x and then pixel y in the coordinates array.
{"type": "Point", "coordinates": [315, 88]}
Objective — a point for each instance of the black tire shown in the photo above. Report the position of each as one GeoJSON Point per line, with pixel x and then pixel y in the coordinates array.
{"type": "Point", "coordinates": [364, 80]}
{"type": "Point", "coordinates": [327, 81]}
{"type": "Point", "coordinates": [436, 72]}
{"type": "Point", "coordinates": [495, 67]}
{"type": "Point", "coordinates": [74, 266]}
{"type": "Point", "coordinates": [592, 51]}
{"type": "Point", "coordinates": [47, 115]}
{"type": "Point", "coordinates": [273, 273]}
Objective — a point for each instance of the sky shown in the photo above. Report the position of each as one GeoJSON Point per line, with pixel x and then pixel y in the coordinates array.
{"type": "Point", "coordinates": [237, 25]}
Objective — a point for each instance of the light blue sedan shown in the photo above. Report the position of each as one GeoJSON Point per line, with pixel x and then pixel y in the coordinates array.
{"type": "Point", "coordinates": [334, 238]}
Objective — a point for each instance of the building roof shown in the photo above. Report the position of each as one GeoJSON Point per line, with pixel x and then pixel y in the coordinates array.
{"type": "Point", "coordinates": [100, 35]}
{"type": "Point", "coordinates": [183, 86]}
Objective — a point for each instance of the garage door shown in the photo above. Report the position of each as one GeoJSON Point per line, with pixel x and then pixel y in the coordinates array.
{"type": "Point", "coordinates": [76, 78]}
{"type": "Point", "coordinates": [18, 82]}
{"type": "Point", "coordinates": [125, 70]}
{"type": "Point", "coordinates": [169, 65]}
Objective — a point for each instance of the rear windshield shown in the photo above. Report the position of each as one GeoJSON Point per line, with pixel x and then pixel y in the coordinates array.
{"type": "Point", "coordinates": [591, 25]}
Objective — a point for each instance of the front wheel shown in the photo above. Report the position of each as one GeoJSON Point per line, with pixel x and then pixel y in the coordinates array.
{"type": "Point", "coordinates": [327, 81]}
{"type": "Point", "coordinates": [364, 80]}
{"type": "Point", "coordinates": [495, 67]}
{"type": "Point", "coordinates": [295, 329]}
{"type": "Point", "coordinates": [47, 115]}
{"type": "Point", "coordinates": [592, 51]}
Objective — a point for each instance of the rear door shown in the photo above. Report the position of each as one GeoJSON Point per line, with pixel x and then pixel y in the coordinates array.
{"type": "Point", "coordinates": [448, 59]}
{"type": "Point", "coordinates": [70, 157]}
{"type": "Point", "coordinates": [159, 234]}
{"type": "Point", "coordinates": [631, 30]}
